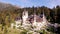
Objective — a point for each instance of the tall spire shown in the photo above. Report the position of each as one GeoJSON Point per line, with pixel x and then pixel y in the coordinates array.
{"type": "Point", "coordinates": [34, 15]}
{"type": "Point", "coordinates": [44, 17]}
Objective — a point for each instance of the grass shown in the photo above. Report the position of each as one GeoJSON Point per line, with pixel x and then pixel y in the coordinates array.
{"type": "Point", "coordinates": [7, 30]}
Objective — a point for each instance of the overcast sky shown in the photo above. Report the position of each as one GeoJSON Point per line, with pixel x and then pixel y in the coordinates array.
{"type": "Point", "coordinates": [30, 3]}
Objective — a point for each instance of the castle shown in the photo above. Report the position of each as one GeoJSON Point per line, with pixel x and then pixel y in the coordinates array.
{"type": "Point", "coordinates": [34, 20]}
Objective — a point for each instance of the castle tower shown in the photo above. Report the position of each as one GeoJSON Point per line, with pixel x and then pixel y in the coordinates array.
{"type": "Point", "coordinates": [24, 16]}
{"type": "Point", "coordinates": [44, 18]}
{"type": "Point", "coordinates": [34, 19]}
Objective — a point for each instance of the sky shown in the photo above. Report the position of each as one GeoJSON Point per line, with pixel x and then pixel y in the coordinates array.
{"type": "Point", "coordinates": [30, 3]}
